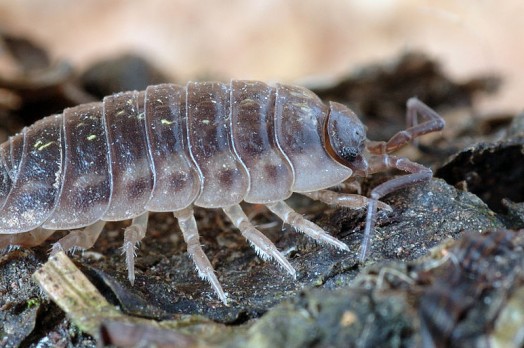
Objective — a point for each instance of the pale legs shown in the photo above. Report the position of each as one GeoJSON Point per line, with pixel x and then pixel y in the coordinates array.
{"type": "Point", "coordinates": [83, 238]}
{"type": "Point", "coordinates": [26, 239]}
{"type": "Point", "coordinates": [348, 200]}
{"type": "Point", "coordinates": [132, 237]}
{"type": "Point", "coordinates": [263, 246]}
{"type": "Point", "coordinates": [291, 217]}
{"type": "Point", "coordinates": [187, 223]}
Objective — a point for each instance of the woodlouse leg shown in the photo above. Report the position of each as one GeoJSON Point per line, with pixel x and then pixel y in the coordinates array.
{"type": "Point", "coordinates": [263, 246]}
{"type": "Point", "coordinates": [347, 200]}
{"type": "Point", "coordinates": [26, 239]}
{"type": "Point", "coordinates": [83, 238]}
{"type": "Point", "coordinates": [291, 217]}
{"type": "Point", "coordinates": [132, 237]}
{"type": "Point", "coordinates": [377, 163]}
{"type": "Point", "coordinates": [350, 185]}
{"type": "Point", "coordinates": [188, 226]}
{"type": "Point", "coordinates": [415, 107]}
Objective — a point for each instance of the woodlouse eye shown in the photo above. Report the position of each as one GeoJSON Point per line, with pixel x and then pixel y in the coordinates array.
{"type": "Point", "coordinates": [349, 154]}
{"type": "Point", "coordinates": [345, 134]}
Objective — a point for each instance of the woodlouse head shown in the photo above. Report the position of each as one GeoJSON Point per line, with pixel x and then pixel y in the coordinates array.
{"type": "Point", "coordinates": [345, 137]}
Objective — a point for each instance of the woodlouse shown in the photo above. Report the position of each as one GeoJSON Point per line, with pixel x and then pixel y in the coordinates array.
{"type": "Point", "coordinates": [207, 144]}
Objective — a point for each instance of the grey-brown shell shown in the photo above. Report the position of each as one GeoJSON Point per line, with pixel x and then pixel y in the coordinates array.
{"type": "Point", "coordinates": [209, 144]}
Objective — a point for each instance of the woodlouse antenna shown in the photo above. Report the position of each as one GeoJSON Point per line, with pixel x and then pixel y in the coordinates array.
{"type": "Point", "coordinates": [380, 160]}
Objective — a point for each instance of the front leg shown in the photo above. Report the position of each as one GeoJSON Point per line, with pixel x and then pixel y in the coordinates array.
{"type": "Point", "coordinates": [378, 163]}
{"type": "Point", "coordinates": [434, 122]}
{"type": "Point", "coordinates": [348, 200]}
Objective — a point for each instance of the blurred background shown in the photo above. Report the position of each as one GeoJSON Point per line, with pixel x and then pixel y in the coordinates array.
{"type": "Point", "coordinates": [465, 58]}
{"type": "Point", "coordinates": [274, 40]}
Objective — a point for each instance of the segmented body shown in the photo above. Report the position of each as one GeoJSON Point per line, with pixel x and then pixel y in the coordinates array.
{"type": "Point", "coordinates": [208, 144]}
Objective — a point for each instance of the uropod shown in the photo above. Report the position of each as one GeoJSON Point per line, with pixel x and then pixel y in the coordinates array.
{"type": "Point", "coordinates": [206, 144]}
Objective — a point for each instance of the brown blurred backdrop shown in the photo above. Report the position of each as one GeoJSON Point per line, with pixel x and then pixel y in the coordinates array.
{"type": "Point", "coordinates": [283, 40]}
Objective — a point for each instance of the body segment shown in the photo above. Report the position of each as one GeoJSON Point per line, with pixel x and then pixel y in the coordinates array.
{"type": "Point", "coordinates": [299, 120]}
{"type": "Point", "coordinates": [130, 163]}
{"type": "Point", "coordinates": [86, 182]}
{"type": "Point", "coordinates": [224, 178]}
{"type": "Point", "coordinates": [35, 189]}
{"type": "Point", "coordinates": [253, 127]}
{"type": "Point", "coordinates": [176, 180]}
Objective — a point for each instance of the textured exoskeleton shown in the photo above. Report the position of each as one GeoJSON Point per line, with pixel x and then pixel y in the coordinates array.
{"type": "Point", "coordinates": [207, 144]}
